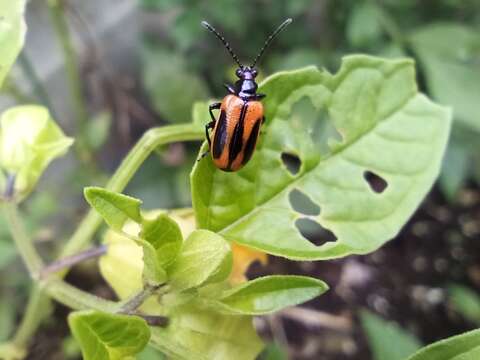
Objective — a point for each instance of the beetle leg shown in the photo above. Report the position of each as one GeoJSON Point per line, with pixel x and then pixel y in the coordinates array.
{"type": "Point", "coordinates": [211, 124]}
{"type": "Point", "coordinates": [259, 96]}
{"type": "Point", "coordinates": [230, 88]}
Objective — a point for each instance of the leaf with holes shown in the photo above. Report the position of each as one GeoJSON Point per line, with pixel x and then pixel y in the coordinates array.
{"type": "Point", "coordinates": [390, 136]}
{"type": "Point", "coordinates": [105, 336]}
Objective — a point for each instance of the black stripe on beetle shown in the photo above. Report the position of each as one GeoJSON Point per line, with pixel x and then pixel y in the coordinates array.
{"type": "Point", "coordinates": [252, 140]}
{"type": "Point", "coordinates": [220, 139]}
{"type": "Point", "coordinates": [236, 143]}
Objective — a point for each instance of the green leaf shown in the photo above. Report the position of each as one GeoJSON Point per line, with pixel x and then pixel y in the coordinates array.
{"type": "Point", "coordinates": [172, 87]}
{"type": "Point", "coordinates": [387, 340]}
{"type": "Point", "coordinates": [153, 272]}
{"type": "Point", "coordinates": [270, 293]}
{"type": "Point", "coordinates": [12, 32]}
{"type": "Point", "coordinates": [29, 140]}
{"type": "Point", "coordinates": [202, 335]}
{"type": "Point", "coordinates": [165, 236]}
{"type": "Point", "coordinates": [115, 208]}
{"type": "Point", "coordinates": [461, 347]}
{"type": "Point", "coordinates": [274, 351]}
{"type": "Point", "coordinates": [449, 54]}
{"type": "Point", "coordinates": [108, 336]}
{"type": "Point", "coordinates": [205, 257]}
{"type": "Point", "coordinates": [387, 128]}
{"type": "Point", "coordinates": [466, 301]}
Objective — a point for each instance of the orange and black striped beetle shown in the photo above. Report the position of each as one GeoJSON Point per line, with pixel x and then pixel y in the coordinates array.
{"type": "Point", "coordinates": [235, 133]}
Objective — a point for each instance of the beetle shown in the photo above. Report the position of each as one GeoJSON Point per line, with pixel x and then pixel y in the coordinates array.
{"type": "Point", "coordinates": [235, 132]}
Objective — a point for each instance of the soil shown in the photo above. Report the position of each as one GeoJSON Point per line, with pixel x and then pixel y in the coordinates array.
{"type": "Point", "coordinates": [404, 281]}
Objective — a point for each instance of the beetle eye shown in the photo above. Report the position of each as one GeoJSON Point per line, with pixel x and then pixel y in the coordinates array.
{"type": "Point", "coordinates": [254, 72]}
{"type": "Point", "coordinates": [239, 72]}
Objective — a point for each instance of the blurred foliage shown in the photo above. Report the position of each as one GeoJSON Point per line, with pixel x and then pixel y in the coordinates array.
{"type": "Point", "coordinates": [387, 340]}
{"type": "Point", "coordinates": [466, 301]}
{"type": "Point", "coordinates": [443, 36]}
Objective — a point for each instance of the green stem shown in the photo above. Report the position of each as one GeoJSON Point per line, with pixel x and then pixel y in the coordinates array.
{"type": "Point", "coordinates": [25, 247]}
{"type": "Point", "coordinates": [32, 318]}
{"type": "Point", "coordinates": [68, 294]}
{"type": "Point", "coordinates": [60, 26]}
{"type": "Point", "coordinates": [152, 139]}
{"type": "Point", "coordinates": [77, 299]}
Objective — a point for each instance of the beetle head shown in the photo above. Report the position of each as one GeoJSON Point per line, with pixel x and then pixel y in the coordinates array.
{"type": "Point", "coordinates": [246, 73]}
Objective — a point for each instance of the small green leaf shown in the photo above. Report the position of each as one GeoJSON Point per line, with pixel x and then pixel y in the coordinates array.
{"type": "Point", "coordinates": [205, 257]}
{"type": "Point", "coordinates": [449, 54]}
{"type": "Point", "coordinates": [385, 127]}
{"type": "Point", "coordinates": [202, 335]}
{"type": "Point", "coordinates": [104, 336]}
{"type": "Point", "coordinates": [270, 293]}
{"type": "Point", "coordinates": [466, 301]}
{"type": "Point", "coordinates": [461, 347]}
{"type": "Point", "coordinates": [29, 140]}
{"type": "Point", "coordinates": [387, 340]}
{"type": "Point", "coordinates": [115, 208]}
{"type": "Point", "coordinates": [165, 236]}
{"type": "Point", "coordinates": [12, 29]}
{"type": "Point", "coordinates": [153, 272]}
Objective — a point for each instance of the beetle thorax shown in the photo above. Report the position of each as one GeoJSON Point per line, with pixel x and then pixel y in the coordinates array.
{"type": "Point", "coordinates": [246, 86]}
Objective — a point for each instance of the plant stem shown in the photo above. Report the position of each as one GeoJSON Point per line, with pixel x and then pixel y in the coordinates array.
{"type": "Point", "coordinates": [60, 26]}
{"type": "Point", "coordinates": [134, 302]}
{"type": "Point", "coordinates": [69, 261]}
{"type": "Point", "coordinates": [32, 317]}
{"type": "Point", "coordinates": [24, 245]}
{"type": "Point", "coordinates": [75, 298]}
{"type": "Point", "coordinates": [67, 294]}
{"type": "Point", "coordinates": [152, 139]}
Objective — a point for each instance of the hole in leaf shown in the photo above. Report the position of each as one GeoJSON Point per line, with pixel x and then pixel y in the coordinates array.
{"type": "Point", "coordinates": [302, 203]}
{"type": "Point", "coordinates": [376, 183]}
{"type": "Point", "coordinates": [291, 162]}
{"type": "Point", "coordinates": [314, 232]}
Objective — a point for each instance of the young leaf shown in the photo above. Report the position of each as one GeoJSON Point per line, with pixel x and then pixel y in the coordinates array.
{"type": "Point", "coordinates": [466, 301]}
{"type": "Point", "coordinates": [205, 257]}
{"type": "Point", "coordinates": [104, 336]}
{"type": "Point", "coordinates": [198, 334]}
{"type": "Point", "coordinates": [449, 54]}
{"type": "Point", "coordinates": [387, 128]}
{"type": "Point", "coordinates": [113, 207]}
{"type": "Point", "coordinates": [461, 347]}
{"type": "Point", "coordinates": [29, 141]}
{"type": "Point", "coordinates": [13, 33]}
{"type": "Point", "coordinates": [387, 340]}
{"type": "Point", "coordinates": [270, 293]}
{"type": "Point", "coordinates": [153, 272]}
{"type": "Point", "coordinates": [165, 236]}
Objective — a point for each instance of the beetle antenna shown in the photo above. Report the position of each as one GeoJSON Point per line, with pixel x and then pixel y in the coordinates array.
{"type": "Point", "coordinates": [270, 38]}
{"type": "Point", "coordinates": [224, 42]}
